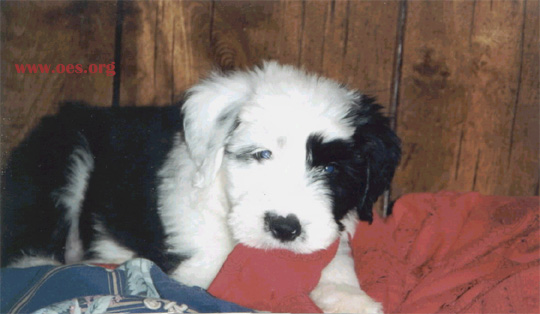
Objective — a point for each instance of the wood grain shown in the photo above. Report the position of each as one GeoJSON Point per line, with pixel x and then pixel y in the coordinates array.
{"type": "Point", "coordinates": [521, 175]}
{"type": "Point", "coordinates": [51, 33]}
{"type": "Point", "coordinates": [461, 77]}
{"type": "Point", "coordinates": [165, 49]}
{"type": "Point", "coordinates": [350, 41]}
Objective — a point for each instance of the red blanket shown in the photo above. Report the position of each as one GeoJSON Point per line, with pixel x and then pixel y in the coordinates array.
{"type": "Point", "coordinates": [437, 253]}
{"type": "Point", "coordinates": [453, 253]}
{"type": "Point", "coordinates": [275, 280]}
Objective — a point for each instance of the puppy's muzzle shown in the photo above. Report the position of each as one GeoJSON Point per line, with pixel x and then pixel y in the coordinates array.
{"type": "Point", "coordinates": [284, 229]}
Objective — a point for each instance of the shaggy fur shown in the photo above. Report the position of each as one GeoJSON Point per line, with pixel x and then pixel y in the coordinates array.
{"type": "Point", "coordinates": [272, 158]}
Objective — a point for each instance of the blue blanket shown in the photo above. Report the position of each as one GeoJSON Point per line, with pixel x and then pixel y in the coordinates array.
{"type": "Point", "coordinates": [138, 286]}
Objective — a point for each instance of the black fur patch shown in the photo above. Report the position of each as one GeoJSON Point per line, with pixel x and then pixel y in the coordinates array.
{"type": "Point", "coordinates": [379, 146]}
{"type": "Point", "coordinates": [363, 167]}
{"type": "Point", "coordinates": [129, 145]}
{"type": "Point", "coordinates": [346, 182]}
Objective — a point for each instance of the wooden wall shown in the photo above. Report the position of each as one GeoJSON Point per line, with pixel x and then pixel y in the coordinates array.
{"type": "Point", "coordinates": [460, 78]}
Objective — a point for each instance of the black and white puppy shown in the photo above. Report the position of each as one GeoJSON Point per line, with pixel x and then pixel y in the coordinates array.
{"type": "Point", "coordinates": [272, 158]}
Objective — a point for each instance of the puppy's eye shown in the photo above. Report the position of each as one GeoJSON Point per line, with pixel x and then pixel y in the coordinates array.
{"type": "Point", "coordinates": [329, 169]}
{"type": "Point", "coordinates": [264, 154]}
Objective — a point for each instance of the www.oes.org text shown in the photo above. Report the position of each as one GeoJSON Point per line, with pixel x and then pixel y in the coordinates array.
{"type": "Point", "coordinates": [108, 69]}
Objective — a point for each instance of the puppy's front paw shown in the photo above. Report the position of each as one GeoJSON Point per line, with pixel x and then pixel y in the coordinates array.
{"type": "Point", "coordinates": [341, 298]}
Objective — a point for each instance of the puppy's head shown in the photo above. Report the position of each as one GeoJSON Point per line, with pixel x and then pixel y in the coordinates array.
{"type": "Point", "coordinates": [297, 152]}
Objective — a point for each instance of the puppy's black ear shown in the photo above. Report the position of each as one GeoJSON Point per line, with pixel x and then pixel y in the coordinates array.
{"type": "Point", "coordinates": [379, 148]}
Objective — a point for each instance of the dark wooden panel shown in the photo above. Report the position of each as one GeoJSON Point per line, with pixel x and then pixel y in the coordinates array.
{"type": "Point", "coordinates": [52, 33]}
{"type": "Point", "coordinates": [521, 175]}
{"type": "Point", "coordinates": [166, 48]}
{"type": "Point", "coordinates": [244, 33]}
{"type": "Point", "coordinates": [463, 94]}
{"type": "Point", "coordinates": [370, 43]}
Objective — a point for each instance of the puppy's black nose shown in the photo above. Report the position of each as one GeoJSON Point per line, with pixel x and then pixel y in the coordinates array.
{"type": "Point", "coordinates": [283, 228]}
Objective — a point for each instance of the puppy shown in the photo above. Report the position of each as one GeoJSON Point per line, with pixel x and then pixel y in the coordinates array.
{"type": "Point", "coordinates": [273, 157]}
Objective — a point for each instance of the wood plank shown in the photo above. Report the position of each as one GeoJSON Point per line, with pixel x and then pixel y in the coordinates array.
{"type": "Point", "coordinates": [51, 33]}
{"type": "Point", "coordinates": [459, 87]}
{"type": "Point", "coordinates": [370, 45]}
{"type": "Point", "coordinates": [245, 33]}
{"type": "Point", "coordinates": [166, 48]}
{"type": "Point", "coordinates": [264, 30]}
{"type": "Point", "coordinates": [521, 175]}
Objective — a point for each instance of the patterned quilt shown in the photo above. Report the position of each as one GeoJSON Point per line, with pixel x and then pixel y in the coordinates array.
{"type": "Point", "coordinates": [137, 286]}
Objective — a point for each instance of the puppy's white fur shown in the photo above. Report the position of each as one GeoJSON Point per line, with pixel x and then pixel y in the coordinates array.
{"type": "Point", "coordinates": [278, 108]}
